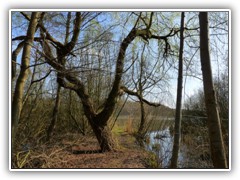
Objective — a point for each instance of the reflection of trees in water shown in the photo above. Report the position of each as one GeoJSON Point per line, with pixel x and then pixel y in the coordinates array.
{"type": "Point", "coordinates": [161, 145]}
{"type": "Point", "coordinates": [194, 151]}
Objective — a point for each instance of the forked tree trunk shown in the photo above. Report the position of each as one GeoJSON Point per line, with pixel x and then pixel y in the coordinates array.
{"type": "Point", "coordinates": [178, 118]}
{"type": "Point", "coordinates": [19, 89]}
{"type": "Point", "coordinates": [214, 125]}
{"type": "Point", "coordinates": [98, 121]}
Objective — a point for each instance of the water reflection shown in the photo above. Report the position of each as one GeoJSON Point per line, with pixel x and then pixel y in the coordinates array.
{"type": "Point", "coordinates": [161, 143]}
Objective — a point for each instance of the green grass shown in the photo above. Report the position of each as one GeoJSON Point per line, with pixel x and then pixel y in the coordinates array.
{"type": "Point", "coordinates": [117, 130]}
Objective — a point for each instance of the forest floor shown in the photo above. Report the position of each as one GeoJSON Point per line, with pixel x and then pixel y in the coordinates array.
{"type": "Point", "coordinates": [76, 151]}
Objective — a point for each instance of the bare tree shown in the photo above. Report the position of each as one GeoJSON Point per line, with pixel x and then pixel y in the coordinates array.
{"type": "Point", "coordinates": [143, 79]}
{"type": "Point", "coordinates": [141, 128]}
{"type": "Point", "coordinates": [178, 116]}
{"type": "Point", "coordinates": [19, 89]}
{"type": "Point", "coordinates": [214, 125]}
{"type": "Point", "coordinates": [58, 95]}
{"type": "Point", "coordinates": [98, 119]}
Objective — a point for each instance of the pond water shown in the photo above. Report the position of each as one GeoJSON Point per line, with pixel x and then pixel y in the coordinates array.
{"type": "Point", "coordinates": [161, 143]}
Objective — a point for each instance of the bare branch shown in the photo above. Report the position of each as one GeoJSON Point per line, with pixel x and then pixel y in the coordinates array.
{"type": "Point", "coordinates": [150, 21]}
{"type": "Point", "coordinates": [20, 38]}
{"type": "Point", "coordinates": [48, 36]}
{"type": "Point", "coordinates": [132, 93]}
{"type": "Point", "coordinates": [14, 57]}
{"type": "Point", "coordinates": [44, 77]}
{"type": "Point", "coordinates": [139, 16]}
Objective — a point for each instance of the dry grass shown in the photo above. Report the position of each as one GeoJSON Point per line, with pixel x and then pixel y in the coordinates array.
{"type": "Point", "coordinates": [195, 142]}
{"type": "Point", "coordinates": [81, 153]}
{"type": "Point", "coordinates": [129, 126]}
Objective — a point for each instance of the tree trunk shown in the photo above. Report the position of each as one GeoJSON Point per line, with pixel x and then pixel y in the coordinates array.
{"type": "Point", "coordinates": [104, 135]}
{"type": "Point", "coordinates": [55, 114]}
{"type": "Point", "coordinates": [178, 118]}
{"type": "Point", "coordinates": [14, 58]}
{"type": "Point", "coordinates": [214, 125]}
{"type": "Point", "coordinates": [142, 128]}
{"type": "Point", "coordinates": [81, 128]}
{"type": "Point", "coordinates": [19, 89]}
{"type": "Point", "coordinates": [98, 123]}
{"type": "Point", "coordinates": [61, 59]}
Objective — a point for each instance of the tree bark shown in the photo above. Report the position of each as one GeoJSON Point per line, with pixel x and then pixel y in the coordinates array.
{"type": "Point", "coordinates": [19, 89]}
{"type": "Point", "coordinates": [178, 118]}
{"type": "Point", "coordinates": [55, 114]}
{"type": "Point", "coordinates": [14, 58]}
{"type": "Point", "coordinates": [142, 128]}
{"type": "Point", "coordinates": [214, 126]}
{"type": "Point", "coordinates": [103, 134]}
